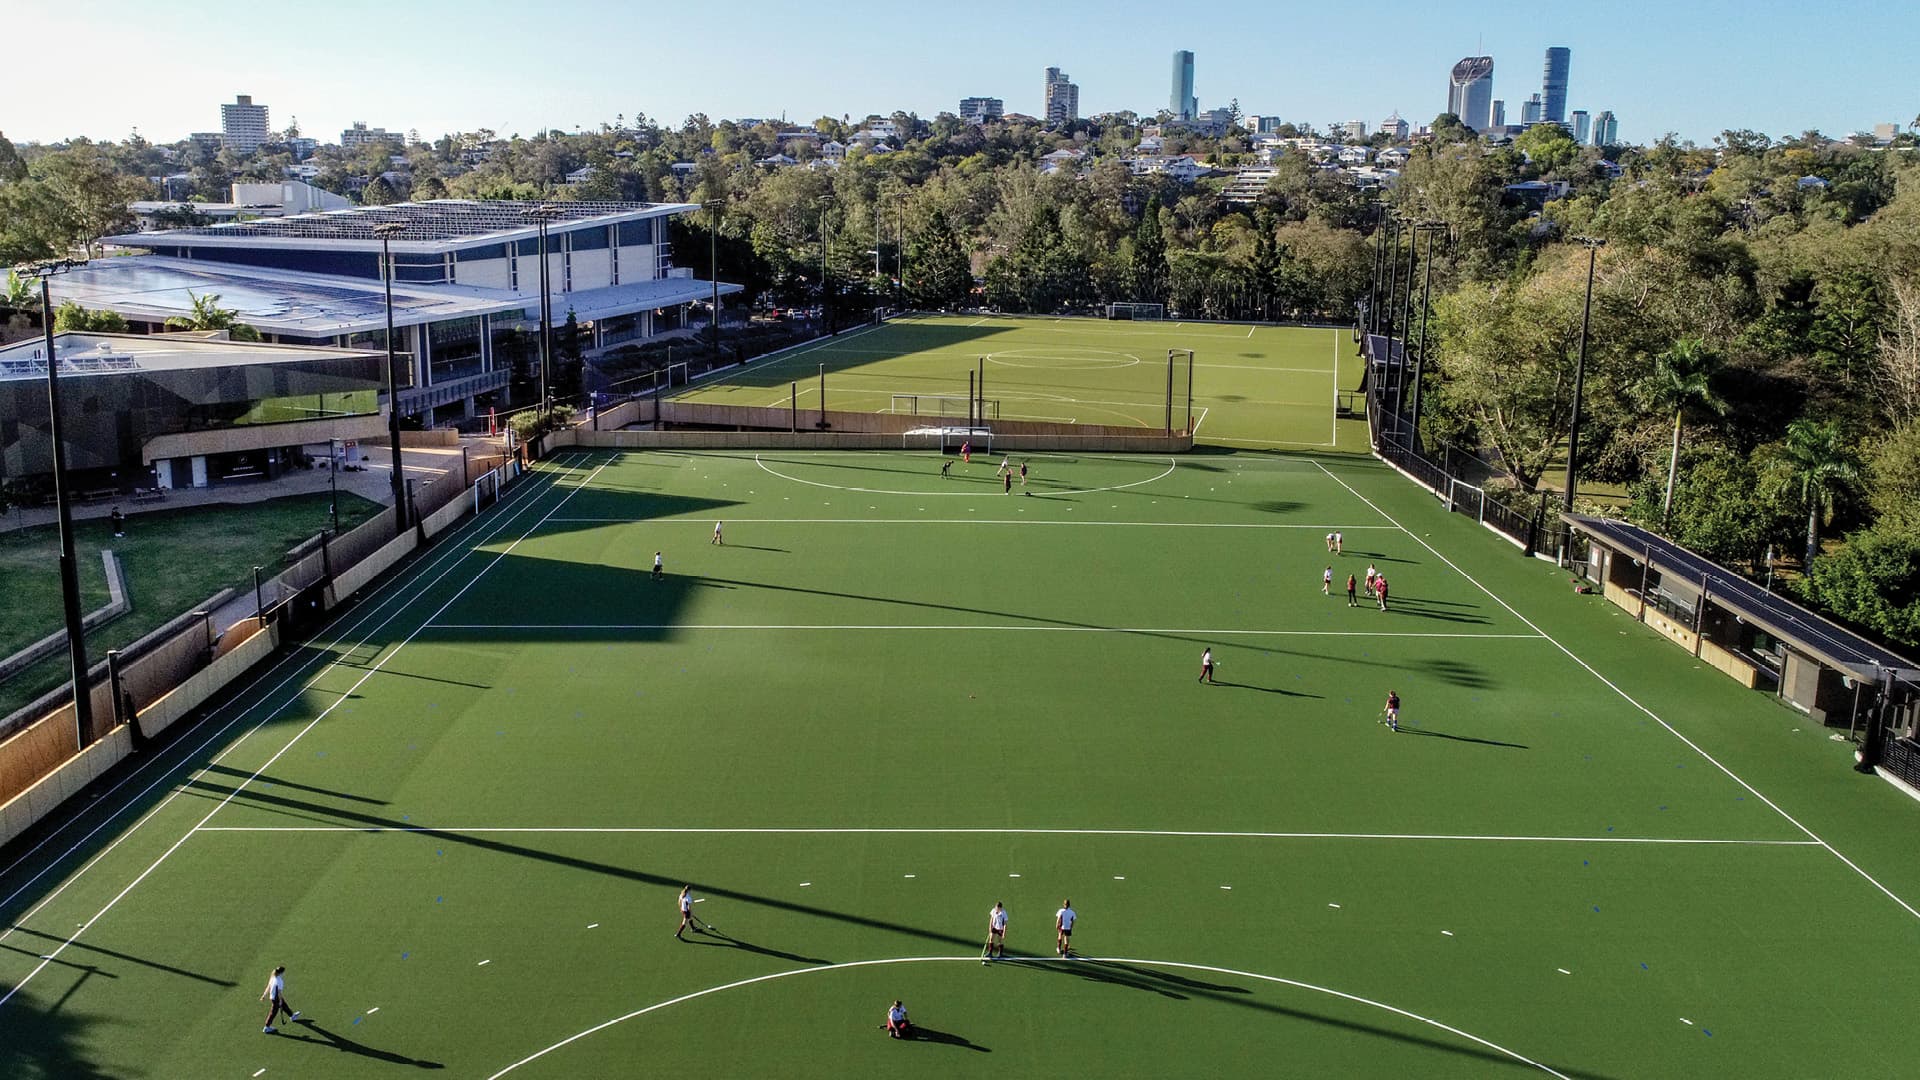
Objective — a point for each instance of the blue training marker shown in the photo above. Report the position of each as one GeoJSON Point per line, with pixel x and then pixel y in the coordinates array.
{"type": "Point", "coordinates": [1644, 967]}
{"type": "Point", "coordinates": [403, 955]}
{"type": "Point", "coordinates": [437, 899]}
{"type": "Point", "coordinates": [1596, 911]}
{"type": "Point", "coordinates": [1707, 1033]}
{"type": "Point", "coordinates": [1584, 862]}
{"type": "Point", "coordinates": [356, 1019]}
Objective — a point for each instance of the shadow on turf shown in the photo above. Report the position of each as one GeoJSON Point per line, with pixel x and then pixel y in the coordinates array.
{"type": "Point", "coordinates": [721, 940]}
{"type": "Point", "coordinates": [673, 593]}
{"type": "Point", "coordinates": [348, 1046]}
{"type": "Point", "coordinates": [278, 782]}
{"type": "Point", "coordinates": [945, 1038]}
{"type": "Point", "coordinates": [1431, 734]}
{"type": "Point", "coordinates": [83, 946]}
{"type": "Point", "coordinates": [1136, 976]}
{"type": "Point", "coordinates": [49, 1042]}
{"type": "Point", "coordinates": [1264, 689]}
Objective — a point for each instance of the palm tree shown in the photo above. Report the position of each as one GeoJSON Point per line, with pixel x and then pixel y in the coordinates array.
{"type": "Point", "coordinates": [19, 293]}
{"type": "Point", "coordinates": [1820, 461]}
{"type": "Point", "coordinates": [1682, 382]}
{"type": "Point", "coordinates": [207, 314]}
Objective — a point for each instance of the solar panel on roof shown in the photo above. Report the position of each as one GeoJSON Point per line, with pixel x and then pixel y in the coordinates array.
{"type": "Point", "coordinates": [441, 219]}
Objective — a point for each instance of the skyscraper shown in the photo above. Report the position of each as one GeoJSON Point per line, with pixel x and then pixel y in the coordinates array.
{"type": "Point", "coordinates": [1532, 110]}
{"type": "Point", "coordinates": [1499, 113]}
{"type": "Point", "coordinates": [1606, 130]}
{"type": "Point", "coordinates": [1470, 92]}
{"type": "Point", "coordinates": [1553, 84]}
{"type": "Point", "coordinates": [1580, 125]}
{"type": "Point", "coordinates": [1062, 98]}
{"type": "Point", "coordinates": [243, 125]}
{"type": "Point", "coordinates": [1182, 103]}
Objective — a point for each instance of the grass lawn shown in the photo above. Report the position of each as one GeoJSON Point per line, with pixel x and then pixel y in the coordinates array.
{"type": "Point", "coordinates": [1252, 386]}
{"type": "Point", "coordinates": [462, 815]}
{"type": "Point", "coordinates": [173, 559]}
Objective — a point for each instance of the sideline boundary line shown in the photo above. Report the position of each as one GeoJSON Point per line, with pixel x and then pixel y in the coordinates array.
{"type": "Point", "coordinates": [246, 695]}
{"type": "Point", "coordinates": [370, 673]}
{"type": "Point", "coordinates": [1629, 699]}
{"type": "Point", "coordinates": [1204, 632]}
{"type": "Point", "coordinates": [1171, 465]}
{"type": "Point", "coordinates": [1201, 834]}
{"type": "Point", "coordinates": [1295, 983]}
{"type": "Point", "coordinates": [965, 521]}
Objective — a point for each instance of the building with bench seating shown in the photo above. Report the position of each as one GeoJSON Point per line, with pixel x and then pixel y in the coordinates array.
{"type": "Point", "coordinates": [466, 289]}
{"type": "Point", "coordinates": [145, 413]}
{"type": "Point", "coordinates": [1760, 638]}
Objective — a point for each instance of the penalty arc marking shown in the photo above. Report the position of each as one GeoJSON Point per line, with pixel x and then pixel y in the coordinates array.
{"type": "Point", "coordinates": [1171, 464]}
{"type": "Point", "coordinates": [1295, 983]}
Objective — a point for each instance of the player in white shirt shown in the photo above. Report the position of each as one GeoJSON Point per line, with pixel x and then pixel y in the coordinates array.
{"type": "Point", "coordinates": [716, 535]}
{"type": "Point", "coordinates": [1063, 928]}
{"type": "Point", "coordinates": [996, 933]}
{"type": "Point", "coordinates": [659, 567]}
{"type": "Point", "coordinates": [686, 912]}
{"type": "Point", "coordinates": [898, 1026]}
{"type": "Point", "coordinates": [276, 992]}
{"type": "Point", "coordinates": [1206, 664]}
{"type": "Point", "coordinates": [1339, 544]}
{"type": "Point", "coordinates": [1326, 582]}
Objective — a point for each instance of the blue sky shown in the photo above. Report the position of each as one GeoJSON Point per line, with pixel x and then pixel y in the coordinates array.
{"type": "Point", "coordinates": [108, 66]}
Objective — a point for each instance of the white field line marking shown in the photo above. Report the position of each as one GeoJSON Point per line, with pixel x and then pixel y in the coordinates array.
{"type": "Point", "coordinates": [1171, 465]}
{"type": "Point", "coordinates": [1295, 983]}
{"type": "Point", "coordinates": [1249, 333]}
{"type": "Point", "coordinates": [1267, 442]}
{"type": "Point", "coordinates": [1629, 699]}
{"type": "Point", "coordinates": [1202, 420]}
{"type": "Point", "coordinates": [321, 715]}
{"type": "Point", "coordinates": [673, 830]}
{"type": "Point", "coordinates": [825, 343]}
{"type": "Point", "coordinates": [707, 521]}
{"type": "Point", "coordinates": [1263, 367]}
{"type": "Point", "coordinates": [962, 628]}
{"type": "Point", "coordinates": [451, 551]}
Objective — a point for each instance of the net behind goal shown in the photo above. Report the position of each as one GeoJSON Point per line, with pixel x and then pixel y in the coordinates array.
{"type": "Point", "coordinates": [941, 405]}
{"type": "Point", "coordinates": [948, 440]}
{"type": "Point", "coordinates": [1136, 311]}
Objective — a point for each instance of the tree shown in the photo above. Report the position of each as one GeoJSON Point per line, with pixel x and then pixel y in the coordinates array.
{"type": "Point", "coordinates": [71, 316]}
{"type": "Point", "coordinates": [1819, 464]}
{"type": "Point", "coordinates": [12, 167]}
{"type": "Point", "coordinates": [1681, 382]}
{"type": "Point", "coordinates": [1897, 377]}
{"type": "Point", "coordinates": [938, 271]}
{"type": "Point", "coordinates": [1717, 509]}
{"type": "Point", "coordinates": [1548, 147]}
{"type": "Point", "coordinates": [378, 192]}
{"type": "Point", "coordinates": [1873, 582]}
{"type": "Point", "coordinates": [19, 294]}
{"type": "Point", "coordinates": [569, 358]}
{"type": "Point", "coordinates": [1893, 478]}
{"type": "Point", "coordinates": [207, 314]}
{"type": "Point", "coordinates": [1149, 271]}
{"type": "Point", "coordinates": [1448, 128]}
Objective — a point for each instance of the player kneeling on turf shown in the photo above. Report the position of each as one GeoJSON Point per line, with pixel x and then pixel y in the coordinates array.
{"type": "Point", "coordinates": [898, 1027]}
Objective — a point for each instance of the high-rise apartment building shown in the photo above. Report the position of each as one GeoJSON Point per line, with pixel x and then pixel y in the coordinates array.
{"type": "Point", "coordinates": [979, 110]}
{"type": "Point", "coordinates": [1062, 98]}
{"type": "Point", "coordinates": [1581, 125]}
{"type": "Point", "coordinates": [1553, 84]}
{"type": "Point", "coordinates": [1181, 102]}
{"type": "Point", "coordinates": [1394, 128]}
{"type": "Point", "coordinates": [1354, 130]}
{"type": "Point", "coordinates": [1470, 92]}
{"type": "Point", "coordinates": [243, 125]}
{"type": "Point", "coordinates": [1606, 129]}
{"type": "Point", "coordinates": [1499, 113]}
{"type": "Point", "coordinates": [1532, 110]}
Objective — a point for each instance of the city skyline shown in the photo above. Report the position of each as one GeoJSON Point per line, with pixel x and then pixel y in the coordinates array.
{"type": "Point", "coordinates": [1699, 74]}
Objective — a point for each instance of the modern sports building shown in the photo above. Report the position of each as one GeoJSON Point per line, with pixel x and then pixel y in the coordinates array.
{"type": "Point", "coordinates": [466, 289]}
{"type": "Point", "coordinates": [165, 411]}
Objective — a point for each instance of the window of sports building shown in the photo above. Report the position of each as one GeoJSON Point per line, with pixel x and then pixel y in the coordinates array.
{"type": "Point", "coordinates": [455, 348]}
{"type": "Point", "coordinates": [421, 269]}
{"type": "Point", "coordinates": [635, 233]}
{"type": "Point", "coordinates": [593, 239]}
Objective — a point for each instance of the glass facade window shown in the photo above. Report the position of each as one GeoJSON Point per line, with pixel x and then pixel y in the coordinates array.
{"type": "Point", "coordinates": [420, 269]}
{"type": "Point", "coordinates": [635, 233]}
{"type": "Point", "coordinates": [453, 350]}
{"type": "Point", "coordinates": [341, 263]}
{"type": "Point", "coordinates": [593, 239]}
{"type": "Point", "coordinates": [109, 418]}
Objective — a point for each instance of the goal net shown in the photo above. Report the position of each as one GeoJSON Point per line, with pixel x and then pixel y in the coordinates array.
{"type": "Point", "coordinates": [948, 440]}
{"type": "Point", "coordinates": [941, 405]}
{"type": "Point", "coordinates": [1136, 311]}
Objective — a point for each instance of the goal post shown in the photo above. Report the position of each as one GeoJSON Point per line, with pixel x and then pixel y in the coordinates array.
{"type": "Point", "coordinates": [940, 405]}
{"type": "Point", "coordinates": [1136, 311]}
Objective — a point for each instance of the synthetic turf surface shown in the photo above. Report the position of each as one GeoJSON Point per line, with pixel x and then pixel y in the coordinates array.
{"type": "Point", "coordinates": [870, 716]}
{"type": "Point", "coordinates": [1260, 386]}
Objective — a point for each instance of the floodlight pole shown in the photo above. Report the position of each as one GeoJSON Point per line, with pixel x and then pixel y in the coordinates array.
{"type": "Point", "coordinates": [62, 498]}
{"type": "Point", "coordinates": [333, 483]}
{"type": "Point", "coordinates": [1426, 311]}
{"type": "Point", "coordinates": [1406, 330]}
{"type": "Point", "coordinates": [713, 265]}
{"type": "Point", "coordinates": [386, 233]}
{"type": "Point", "coordinates": [1593, 246]}
{"type": "Point", "coordinates": [1170, 353]}
{"type": "Point", "coordinates": [541, 215]}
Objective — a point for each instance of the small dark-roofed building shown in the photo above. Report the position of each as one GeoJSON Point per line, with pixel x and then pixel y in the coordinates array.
{"type": "Point", "coordinates": [1760, 638]}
